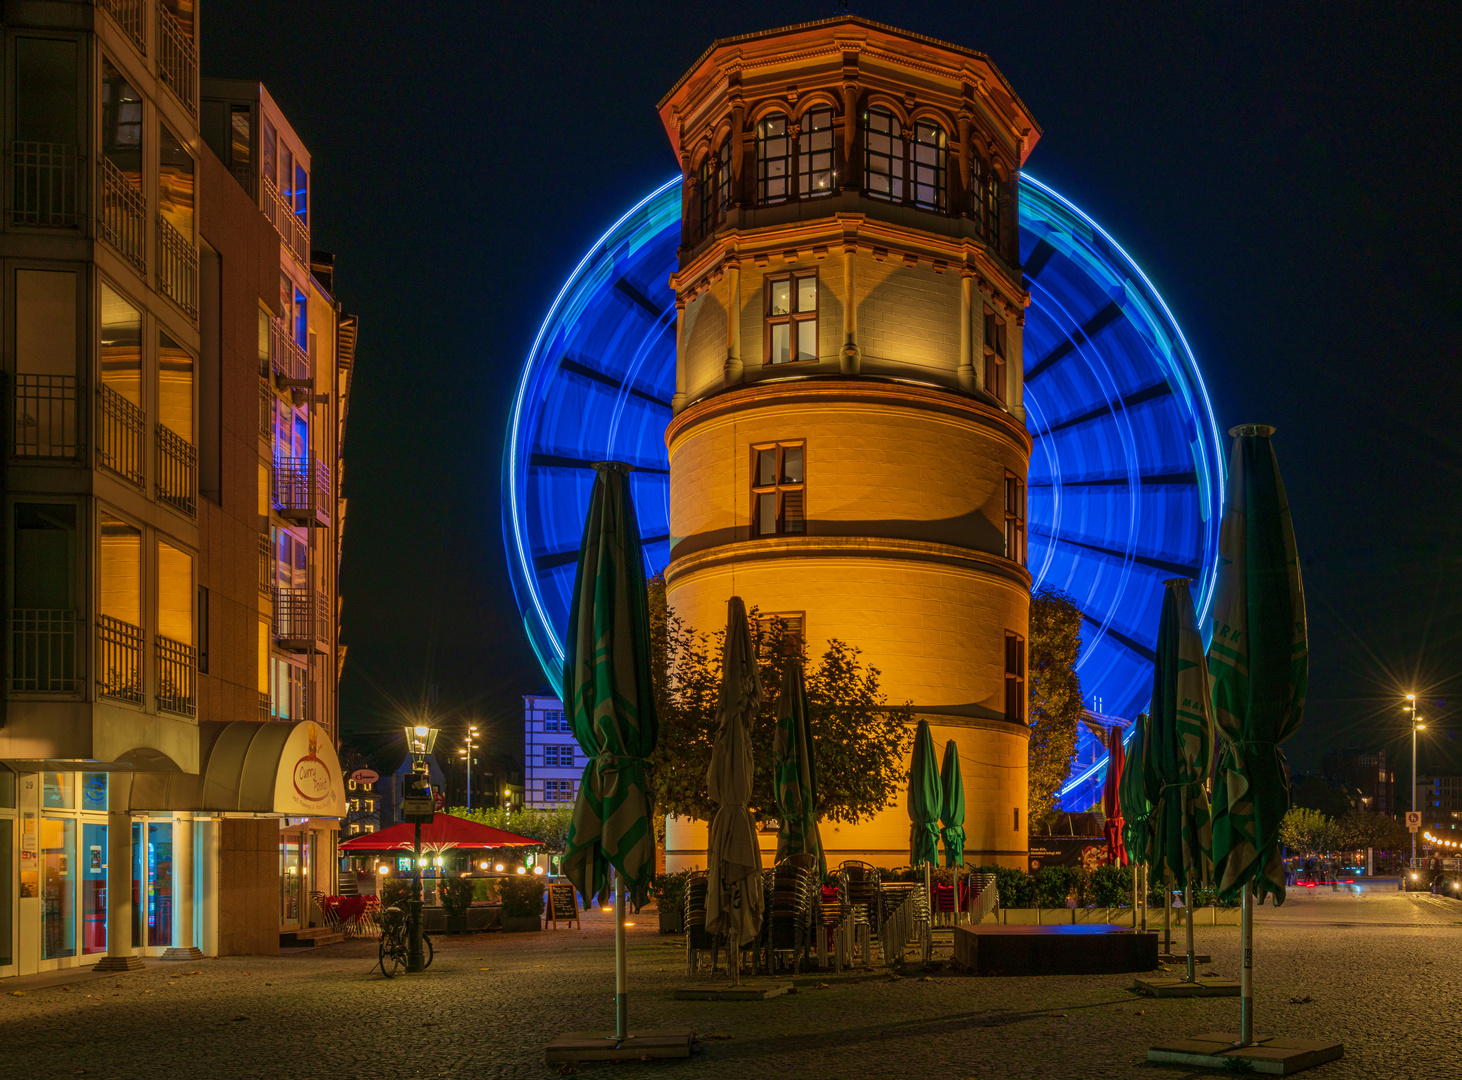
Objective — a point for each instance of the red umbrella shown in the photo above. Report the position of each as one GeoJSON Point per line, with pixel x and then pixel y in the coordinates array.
{"type": "Point", "coordinates": [1111, 805]}
{"type": "Point", "coordinates": [443, 833]}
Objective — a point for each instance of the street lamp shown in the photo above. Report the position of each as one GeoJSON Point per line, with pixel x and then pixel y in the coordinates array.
{"type": "Point", "coordinates": [419, 807]}
{"type": "Point", "coordinates": [470, 744]}
{"type": "Point", "coordinates": [1416, 725]}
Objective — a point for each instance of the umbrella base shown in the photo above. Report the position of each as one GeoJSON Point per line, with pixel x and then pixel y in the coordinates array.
{"type": "Point", "coordinates": [602, 1046]}
{"type": "Point", "coordinates": [1182, 958]}
{"type": "Point", "coordinates": [1182, 988]}
{"type": "Point", "coordinates": [1090, 949]}
{"type": "Point", "coordinates": [1267, 1054]}
{"type": "Point", "coordinates": [747, 991]}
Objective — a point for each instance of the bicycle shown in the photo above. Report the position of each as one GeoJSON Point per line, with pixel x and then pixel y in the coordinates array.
{"type": "Point", "coordinates": [394, 943]}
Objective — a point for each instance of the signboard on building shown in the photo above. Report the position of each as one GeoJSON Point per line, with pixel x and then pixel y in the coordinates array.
{"type": "Point", "coordinates": [1413, 820]}
{"type": "Point", "coordinates": [1087, 851]}
{"type": "Point", "coordinates": [308, 781]}
{"type": "Point", "coordinates": [365, 777]}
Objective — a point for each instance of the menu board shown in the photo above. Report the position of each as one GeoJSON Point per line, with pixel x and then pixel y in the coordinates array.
{"type": "Point", "coordinates": [563, 904]}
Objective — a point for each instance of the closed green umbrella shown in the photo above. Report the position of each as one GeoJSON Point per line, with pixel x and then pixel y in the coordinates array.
{"type": "Point", "coordinates": [1259, 660]}
{"type": "Point", "coordinates": [1136, 799]}
{"type": "Point", "coordinates": [610, 702]}
{"type": "Point", "coordinates": [952, 803]}
{"type": "Point", "coordinates": [925, 799]}
{"type": "Point", "coordinates": [796, 772]}
{"type": "Point", "coordinates": [1180, 750]}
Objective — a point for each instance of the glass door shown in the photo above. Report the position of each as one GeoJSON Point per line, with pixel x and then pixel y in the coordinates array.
{"type": "Point", "coordinates": [93, 887]}
{"type": "Point", "coordinates": [58, 887]}
{"type": "Point", "coordinates": [289, 879]}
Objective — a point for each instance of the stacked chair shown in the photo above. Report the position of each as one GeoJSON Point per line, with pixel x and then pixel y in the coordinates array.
{"type": "Point", "coordinates": [861, 894]}
{"type": "Point", "coordinates": [698, 940]}
{"type": "Point", "coordinates": [832, 925]}
{"type": "Point", "coordinates": [788, 923]}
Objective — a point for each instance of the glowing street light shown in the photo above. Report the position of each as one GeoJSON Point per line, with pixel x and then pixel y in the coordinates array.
{"type": "Point", "coordinates": [1416, 725]}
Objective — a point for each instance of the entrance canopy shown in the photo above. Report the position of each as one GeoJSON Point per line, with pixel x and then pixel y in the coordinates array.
{"type": "Point", "coordinates": [260, 767]}
{"type": "Point", "coordinates": [443, 833]}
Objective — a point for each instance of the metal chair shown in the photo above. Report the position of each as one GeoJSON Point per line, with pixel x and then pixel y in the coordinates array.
{"type": "Point", "coordinates": [789, 914]}
{"type": "Point", "coordinates": [861, 894]}
{"type": "Point", "coordinates": [698, 939]}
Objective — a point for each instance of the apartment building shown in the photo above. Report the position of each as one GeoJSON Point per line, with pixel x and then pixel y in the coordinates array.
{"type": "Point", "coordinates": [552, 760]}
{"type": "Point", "coordinates": [168, 774]}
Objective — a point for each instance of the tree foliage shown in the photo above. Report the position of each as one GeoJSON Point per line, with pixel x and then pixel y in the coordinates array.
{"type": "Point", "coordinates": [551, 827]}
{"type": "Point", "coordinates": [859, 740]}
{"type": "Point", "coordinates": [1308, 832]}
{"type": "Point", "coordinates": [1361, 828]}
{"type": "Point", "coordinates": [1055, 696]}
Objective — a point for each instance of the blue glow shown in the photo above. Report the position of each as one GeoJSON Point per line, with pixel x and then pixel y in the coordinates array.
{"type": "Point", "coordinates": [1126, 479]}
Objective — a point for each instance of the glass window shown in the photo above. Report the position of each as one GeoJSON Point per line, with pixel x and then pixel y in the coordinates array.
{"type": "Point", "coordinates": [45, 86]}
{"type": "Point", "coordinates": [1014, 678]}
{"type": "Point", "coordinates": [773, 160]}
{"type": "Point", "coordinates": [815, 174]}
{"type": "Point", "coordinates": [94, 883]}
{"type": "Point", "coordinates": [723, 181]}
{"type": "Point", "coordinates": [94, 791]}
{"type": "Point", "coordinates": [930, 187]}
{"type": "Point", "coordinates": [791, 319]}
{"type": "Point", "coordinates": [121, 570]}
{"type": "Point", "coordinates": [995, 356]}
{"type": "Point", "coordinates": [786, 632]}
{"type": "Point", "coordinates": [7, 869]}
{"type": "Point", "coordinates": [159, 884]}
{"type": "Point", "coordinates": [175, 387]}
{"type": "Point", "coordinates": [121, 345]}
{"type": "Point", "coordinates": [778, 493]}
{"type": "Point", "coordinates": [705, 195]}
{"type": "Point", "coordinates": [883, 155]}
{"type": "Point", "coordinates": [240, 146]}
{"type": "Point", "coordinates": [58, 888]}
{"type": "Point", "coordinates": [175, 183]}
{"type": "Point", "coordinates": [121, 125]}
{"type": "Point", "coordinates": [302, 195]}
{"type": "Point", "coordinates": [268, 152]}
{"type": "Point", "coordinates": [7, 791]}
{"type": "Point", "coordinates": [56, 791]}
{"type": "Point", "coordinates": [174, 593]}
{"type": "Point", "coordinates": [1014, 518]}
{"type": "Point", "coordinates": [979, 177]}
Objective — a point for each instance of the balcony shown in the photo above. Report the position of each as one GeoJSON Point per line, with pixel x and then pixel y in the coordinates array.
{"type": "Point", "coordinates": [294, 232]}
{"type": "Point", "coordinates": [45, 416]}
{"type": "Point", "coordinates": [43, 656]}
{"type": "Point", "coordinates": [266, 706]}
{"type": "Point", "coordinates": [122, 427]}
{"type": "Point", "coordinates": [119, 660]}
{"type": "Point", "coordinates": [43, 185]}
{"type": "Point", "coordinates": [122, 215]}
{"type": "Point", "coordinates": [177, 60]}
{"type": "Point", "coordinates": [289, 363]}
{"type": "Point", "coordinates": [301, 620]}
{"type": "Point", "coordinates": [128, 15]}
{"type": "Point", "coordinates": [302, 491]}
{"type": "Point", "coordinates": [177, 270]}
{"type": "Point", "coordinates": [177, 472]}
{"type": "Point", "coordinates": [177, 677]}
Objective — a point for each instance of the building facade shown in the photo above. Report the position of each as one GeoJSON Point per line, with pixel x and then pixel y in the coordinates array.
{"type": "Point", "coordinates": [848, 449]}
{"type": "Point", "coordinates": [552, 760]}
{"type": "Point", "coordinates": [161, 792]}
{"type": "Point", "coordinates": [1366, 773]}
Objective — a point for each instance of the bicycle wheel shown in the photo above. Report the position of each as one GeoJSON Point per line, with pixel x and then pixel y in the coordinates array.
{"type": "Point", "coordinates": [427, 950]}
{"type": "Point", "coordinates": [390, 959]}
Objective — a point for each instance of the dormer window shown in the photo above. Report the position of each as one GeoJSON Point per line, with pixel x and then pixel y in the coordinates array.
{"type": "Point", "coordinates": [773, 160]}
{"type": "Point", "coordinates": [815, 176]}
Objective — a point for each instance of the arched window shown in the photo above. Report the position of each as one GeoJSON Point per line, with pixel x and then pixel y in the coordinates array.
{"type": "Point", "coordinates": [773, 160]}
{"type": "Point", "coordinates": [705, 189]}
{"type": "Point", "coordinates": [883, 155]}
{"type": "Point", "coordinates": [930, 188]}
{"type": "Point", "coordinates": [723, 181]}
{"type": "Point", "coordinates": [987, 196]}
{"type": "Point", "coordinates": [815, 176]}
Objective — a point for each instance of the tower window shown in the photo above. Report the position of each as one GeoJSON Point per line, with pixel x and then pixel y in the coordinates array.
{"type": "Point", "coordinates": [778, 489]}
{"type": "Point", "coordinates": [883, 155]}
{"type": "Point", "coordinates": [931, 173]}
{"type": "Point", "coordinates": [791, 318]}
{"type": "Point", "coordinates": [1014, 678]}
{"type": "Point", "coordinates": [995, 356]}
{"type": "Point", "coordinates": [723, 180]}
{"type": "Point", "coordinates": [786, 628]}
{"type": "Point", "coordinates": [773, 160]}
{"type": "Point", "coordinates": [1014, 518]}
{"type": "Point", "coordinates": [815, 154]}
{"type": "Point", "coordinates": [705, 183]}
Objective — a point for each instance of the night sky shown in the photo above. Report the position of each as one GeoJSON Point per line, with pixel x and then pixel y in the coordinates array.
{"type": "Point", "coordinates": [1288, 176]}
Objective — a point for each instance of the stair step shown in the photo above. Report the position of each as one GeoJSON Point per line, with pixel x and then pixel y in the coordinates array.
{"type": "Point", "coordinates": [314, 936]}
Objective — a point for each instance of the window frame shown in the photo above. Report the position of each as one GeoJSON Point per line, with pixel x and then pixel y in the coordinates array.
{"type": "Point", "coordinates": [996, 365]}
{"type": "Point", "coordinates": [793, 319]}
{"type": "Point", "coordinates": [764, 160]}
{"type": "Point", "coordinates": [939, 168]}
{"type": "Point", "coordinates": [765, 624]}
{"type": "Point", "coordinates": [897, 183]}
{"type": "Point", "coordinates": [805, 153]}
{"type": "Point", "coordinates": [779, 488]}
{"type": "Point", "coordinates": [1015, 678]}
{"type": "Point", "coordinates": [1015, 517]}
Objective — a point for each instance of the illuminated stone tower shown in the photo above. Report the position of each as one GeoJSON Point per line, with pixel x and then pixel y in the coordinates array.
{"type": "Point", "coordinates": [848, 450]}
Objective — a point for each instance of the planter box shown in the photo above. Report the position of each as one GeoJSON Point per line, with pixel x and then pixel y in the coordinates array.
{"type": "Point", "coordinates": [517, 924]}
{"type": "Point", "coordinates": [1037, 916]}
{"type": "Point", "coordinates": [457, 924]}
{"type": "Point", "coordinates": [672, 922]}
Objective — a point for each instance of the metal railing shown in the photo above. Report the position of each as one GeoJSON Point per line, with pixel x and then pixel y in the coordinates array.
{"type": "Point", "coordinates": [43, 651]}
{"type": "Point", "coordinates": [119, 440]}
{"type": "Point", "coordinates": [302, 490]}
{"type": "Point", "coordinates": [266, 565]}
{"type": "Point", "coordinates": [177, 59]}
{"type": "Point", "coordinates": [301, 617]}
{"type": "Point", "coordinates": [177, 471]}
{"type": "Point", "coordinates": [294, 232]}
{"type": "Point", "coordinates": [43, 185]}
{"type": "Point", "coordinates": [177, 267]}
{"type": "Point", "coordinates": [177, 676]}
{"type": "Point", "coordinates": [128, 15]}
{"type": "Point", "coordinates": [289, 362]}
{"type": "Point", "coordinates": [119, 659]}
{"type": "Point", "coordinates": [246, 174]}
{"type": "Point", "coordinates": [122, 214]}
{"type": "Point", "coordinates": [45, 416]}
{"type": "Point", "coordinates": [266, 706]}
{"type": "Point", "coordinates": [266, 408]}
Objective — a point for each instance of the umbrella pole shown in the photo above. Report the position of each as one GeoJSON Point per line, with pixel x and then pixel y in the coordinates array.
{"type": "Point", "coordinates": [1188, 912]}
{"type": "Point", "coordinates": [1167, 916]}
{"type": "Point", "coordinates": [1246, 976]}
{"type": "Point", "coordinates": [621, 990]}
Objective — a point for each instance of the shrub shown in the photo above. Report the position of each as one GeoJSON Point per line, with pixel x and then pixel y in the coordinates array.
{"type": "Point", "coordinates": [1110, 886]}
{"type": "Point", "coordinates": [1054, 884]}
{"type": "Point", "coordinates": [395, 892]}
{"type": "Point", "coordinates": [485, 890]}
{"type": "Point", "coordinates": [456, 894]}
{"type": "Point", "coordinates": [522, 896]}
{"type": "Point", "coordinates": [669, 890]}
{"type": "Point", "coordinates": [1015, 888]}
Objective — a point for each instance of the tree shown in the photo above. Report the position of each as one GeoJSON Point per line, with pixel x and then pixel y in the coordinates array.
{"type": "Point", "coordinates": [860, 741]}
{"type": "Point", "coordinates": [550, 826]}
{"type": "Point", "coordinates": [1055, 697]}
{"type": "Point", "coordinates": [1307, 832]}
{"type": "Point", "coordinates": [1314, 793]}
{"type": "Point", "coordinates": [1361, 828]}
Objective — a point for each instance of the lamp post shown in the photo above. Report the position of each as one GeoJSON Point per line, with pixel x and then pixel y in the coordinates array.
{"type": "Point", "coordinates": [466, 752]}
{"type": "Point", "coordinates": [1416, 725]}
{"type": "Point", "coordinates": [419, 807]}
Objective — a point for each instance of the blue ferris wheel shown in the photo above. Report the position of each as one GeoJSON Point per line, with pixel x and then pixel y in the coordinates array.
{"type": "Point", "coordinates": [1126, 478]}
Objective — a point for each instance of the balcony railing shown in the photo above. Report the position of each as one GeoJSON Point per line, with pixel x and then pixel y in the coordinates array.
{"type": "Point", "coordinates": [177, 268]}
{"type": "Point", "coordinates": [301, 620]}
{"type": "Point", "coordinates": [266, 706]}
{"type": "Point", "coordinates": [128, 14]}
{"type": "Point", "coordinates": [177, 676]}
{"type": "Point", "coordinates": [266, 565]}
{"type": "Point", "coordinates": [119, 659]}
{"type": "Point", "coordinates": [43, 651]}
{"type": "Point", "coordinates": [177, 471]}
{"type": "Point", "coordinates": [43, 185]}
{"type": "Point", "coordinates": [119, 440]}
{"type": "Point", "coordinates": [302, 491]}
{"type": "Point", "coordinates": [177, 59]}
{"type": "Point", "coordinates": [122, 214]}
{"type": "Point", "coordinates": [45, 416]}
{"type": "Point", "coordinates": [294, 232]}
{"type": "Point", "coordinates": [266, 408]}
{"type": "Point", "coordinates": [289, 362]}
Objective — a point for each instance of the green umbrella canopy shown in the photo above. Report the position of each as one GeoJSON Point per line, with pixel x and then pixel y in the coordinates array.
{"type": "Point", "coordinates": [1136, 802]}
{"type": "Point", "coordinates": [608, 696]}
{"type": "Point", "coordinates": [1180, 743]}
{"type": "Point", "coordinates": [796, 772]}
{"type": "Point", "coordinates": [952, 803]}
{"type": "Point", "coordinates": [1259, 661]}
{"type": "Point", "coordinates": [925, 797]}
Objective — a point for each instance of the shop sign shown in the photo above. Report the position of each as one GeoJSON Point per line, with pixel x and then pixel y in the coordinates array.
{"type": "Point", "coordinates": [308, 781]}
{"type": "Point", "coordinates": [1084, 851]}
{"type": "Point", "coordinates": [365, 776]}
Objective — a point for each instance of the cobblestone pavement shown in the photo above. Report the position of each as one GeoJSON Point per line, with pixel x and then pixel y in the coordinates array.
{"type": "Point", "coordinates": [1379, 971]}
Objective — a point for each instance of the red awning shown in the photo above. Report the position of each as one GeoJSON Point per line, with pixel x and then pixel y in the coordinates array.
{"type": "Point", "coordinates": [443, 833]}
